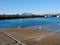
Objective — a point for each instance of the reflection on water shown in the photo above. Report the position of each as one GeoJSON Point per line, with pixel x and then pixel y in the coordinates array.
{"type": "Point", "coordinates": [45, 23]}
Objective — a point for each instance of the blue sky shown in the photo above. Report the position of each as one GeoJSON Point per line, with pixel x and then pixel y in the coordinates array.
{"type": "Point", "coordinates": [30, 6]}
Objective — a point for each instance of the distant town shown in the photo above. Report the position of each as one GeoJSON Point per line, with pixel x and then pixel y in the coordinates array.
{"type": "Point", "coordinates": [26, 15]}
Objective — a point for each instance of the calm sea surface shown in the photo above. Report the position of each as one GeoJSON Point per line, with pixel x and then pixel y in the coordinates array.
{"type": "Point", "coordinates": [46, 23]}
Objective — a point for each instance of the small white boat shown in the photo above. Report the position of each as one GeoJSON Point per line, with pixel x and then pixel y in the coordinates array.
{"type": "Point", "coordinates": [45, 16]}
{"type": "Point", "coordinates": [57, 16]}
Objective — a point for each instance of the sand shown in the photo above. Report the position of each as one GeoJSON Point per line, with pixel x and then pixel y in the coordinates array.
{"type": "Point", "coordinates": [33, 37]}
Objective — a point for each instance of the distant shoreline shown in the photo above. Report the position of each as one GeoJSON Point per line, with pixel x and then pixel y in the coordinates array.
{"type": "Point", "coordinates": [3, 17]}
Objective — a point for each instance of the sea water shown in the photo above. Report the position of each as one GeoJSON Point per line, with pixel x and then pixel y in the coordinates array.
{"type": "Point", "coordinates": [51, 23]}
